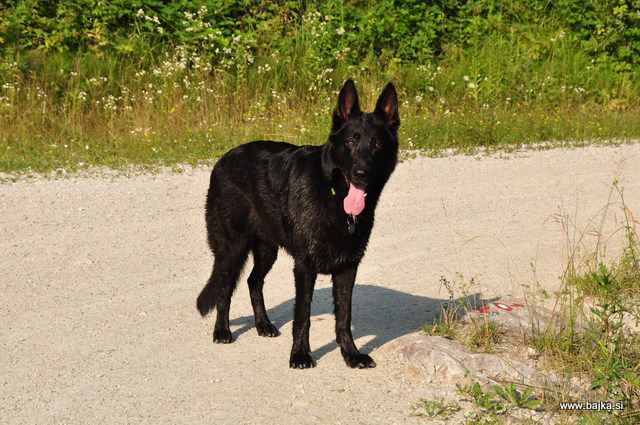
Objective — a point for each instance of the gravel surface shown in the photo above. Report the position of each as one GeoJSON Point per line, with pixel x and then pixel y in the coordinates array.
{"type": "Point", "coordinates": [99, 277]}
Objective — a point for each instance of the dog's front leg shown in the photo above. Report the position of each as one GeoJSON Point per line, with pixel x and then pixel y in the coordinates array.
{"type": "Point", "coordinates": [305, 277]}
{"type": "Point", "coordinates": [342, 289]}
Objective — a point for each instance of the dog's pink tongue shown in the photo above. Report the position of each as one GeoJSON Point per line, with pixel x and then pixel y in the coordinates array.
{"type": "Point", "coordinates": [354, 202]}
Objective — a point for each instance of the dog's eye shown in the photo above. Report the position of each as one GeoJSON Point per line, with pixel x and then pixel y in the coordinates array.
{"type": "Point", "coordinates": [352, 142]}
{"type": "Point", "coordinates": [376, 144]}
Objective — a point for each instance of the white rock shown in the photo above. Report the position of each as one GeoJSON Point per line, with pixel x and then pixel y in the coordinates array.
{"type": "Point", "coordinates": [443, 360]}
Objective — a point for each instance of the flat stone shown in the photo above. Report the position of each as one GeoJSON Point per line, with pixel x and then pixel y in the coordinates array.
{"type": "Point", "coordinates": [516, 317]}
{"type": "Point", "coordinates": [437, 358]}
{"type": "Point", "coordinates": [443, 360]}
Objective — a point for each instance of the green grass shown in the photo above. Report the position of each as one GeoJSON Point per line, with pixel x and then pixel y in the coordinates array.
{"type": "Point", "coordinates": [485, 336]}
{"type": "Point", "coordinates": [439, 409]}
{"type": "Point", "coordinates": [168, 106]}
{"type": "Point", "coordinates": [446, 324]}
{"type": "Point", "coordinates": [591, 334]}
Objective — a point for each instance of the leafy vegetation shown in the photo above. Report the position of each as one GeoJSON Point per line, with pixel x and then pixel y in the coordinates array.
{"type": "Point", "coordinates": [485, 400]}
{"type": "Point", "coordinates": [489, 406]}
{"type": "Point", "coordinates": [594, 334]}
{"type": "Point", "coordinates": [589, 341]}
{"type": "Point", "coordinates": [439, 409]}
{"type": "Point", "coordinates": [484, 336]}
{"type": "Point", "coordinates": [447, 323]}
{"type": "Point", "coordinates": [511, 395]}
{"type": "Point", "coordinates": [480, 335]}
{"type": "Point", "coordinates": [166, 82]}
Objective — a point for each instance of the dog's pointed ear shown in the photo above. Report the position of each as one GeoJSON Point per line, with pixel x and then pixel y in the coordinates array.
{"type": "Point", "coordinates": [387, 107]}
{"type": "Point", "coordinates": [348, 104]}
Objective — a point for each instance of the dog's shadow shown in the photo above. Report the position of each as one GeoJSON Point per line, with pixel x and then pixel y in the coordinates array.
{"type": "Point", "coordinates": [383, 313]}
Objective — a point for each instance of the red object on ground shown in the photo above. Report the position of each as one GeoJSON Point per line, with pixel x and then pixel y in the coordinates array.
{"type": "Point", "coordinates": [483, 309]}
{"type": "Point", "coordinates": [502, 306]}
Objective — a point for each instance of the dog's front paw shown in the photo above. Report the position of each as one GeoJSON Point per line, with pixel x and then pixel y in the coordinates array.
{"type": "Point", "coordinates": [222, 336]}
{"type": "Point", "coordinates": [301, 361]}
{"type": "Point", "coordinates": [267, 329]}
{"type": "Point", "coordinates": [359, 360]}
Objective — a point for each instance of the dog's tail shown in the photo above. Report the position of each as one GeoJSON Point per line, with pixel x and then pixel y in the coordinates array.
{"type": "Point", "coordinates": [207, 298]}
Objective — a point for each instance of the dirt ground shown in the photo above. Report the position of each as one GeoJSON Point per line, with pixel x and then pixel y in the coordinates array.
{"type": "Point", "coordinates": [99, 277]}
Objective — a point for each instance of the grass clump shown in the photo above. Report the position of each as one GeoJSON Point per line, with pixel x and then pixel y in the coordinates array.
{"type": "Point", "coordinates": [439, 409]}
{"type": "Point", "coordinates": [589, 341]}
{"type": "Point", "coordinates": [447, 323]}
{"type": "Point", "coordinates": [485, 336]}
{"type": "Point", "coordinates": [487, 401]}
{"type": "Point", "coordinates": [593, 335]}
{"type": "Point", "coordinates": [444, 328]}
{"type": "Point", "coordinates": [491, 405]}
{"type": "Point", "coordinates": [480, 335]}
{"type": "Point", "coordinates": [511, 395]}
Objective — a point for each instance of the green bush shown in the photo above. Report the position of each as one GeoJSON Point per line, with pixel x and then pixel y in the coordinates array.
{"type": "Point", "coordinates": [406, 31]}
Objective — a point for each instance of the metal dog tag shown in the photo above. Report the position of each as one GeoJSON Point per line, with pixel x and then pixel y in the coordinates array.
{"type": "Point", "coordinates": [351, 224]}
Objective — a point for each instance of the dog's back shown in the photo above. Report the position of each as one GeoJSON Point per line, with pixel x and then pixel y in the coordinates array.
{"type": "Point", "coordinates": [249, 191]}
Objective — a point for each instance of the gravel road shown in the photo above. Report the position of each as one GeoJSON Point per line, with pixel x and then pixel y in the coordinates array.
{"type": "Point", "coordinates": [99, 276]}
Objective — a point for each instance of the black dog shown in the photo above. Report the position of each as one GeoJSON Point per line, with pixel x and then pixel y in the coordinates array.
{"type": "Point", "coordinates": [317, 202]}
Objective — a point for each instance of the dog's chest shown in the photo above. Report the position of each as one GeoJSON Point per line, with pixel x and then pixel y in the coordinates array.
{"type": "Point", "coordinates": [332, 246]}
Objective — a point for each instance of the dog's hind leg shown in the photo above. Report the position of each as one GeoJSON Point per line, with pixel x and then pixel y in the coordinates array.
{"type": "Point", "coordinates": [264, 255]}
